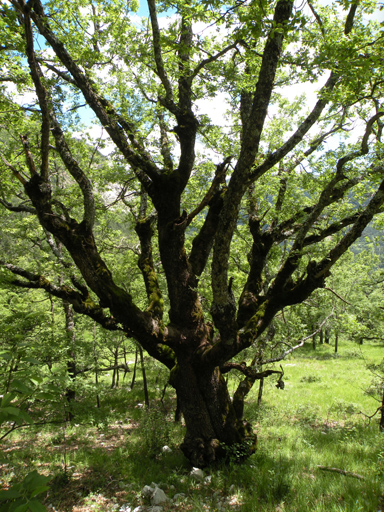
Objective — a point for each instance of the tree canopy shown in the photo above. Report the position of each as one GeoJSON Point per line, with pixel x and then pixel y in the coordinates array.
{"type": "Point", "coordinates": [193, 232]}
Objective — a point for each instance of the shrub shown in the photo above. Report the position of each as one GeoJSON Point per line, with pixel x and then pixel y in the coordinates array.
{"type": "Point", "coordinates": [155, 430]}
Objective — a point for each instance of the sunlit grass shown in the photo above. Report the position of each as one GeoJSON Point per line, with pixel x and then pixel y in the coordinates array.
{"type": "Point", "coordinates": [105, 457]}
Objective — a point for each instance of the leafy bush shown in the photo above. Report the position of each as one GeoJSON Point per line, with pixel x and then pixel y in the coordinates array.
{"type": "Point", "coordinates": [155, 430]}
{"type": "Point", "coordinates": [310, 378]}
{"type": "Point", "coordinates": [356, 354]}
{"type": "Point", "coordinates": [308, 413]}
{"type": "Point", "coordinates": [238, 451]}
{"type": "Point", "coordinates": [21, 497]}
{"type": "Point", "coordinates": [342, 407]}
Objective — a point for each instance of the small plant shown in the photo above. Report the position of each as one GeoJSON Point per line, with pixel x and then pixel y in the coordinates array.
{"type": "Point", "coordinates": [155, 430]}
{"type": "Point", "coordinates": [342, 407]}
{"type": "Point", "coordinates": [307, 413]}
{"type": "Point", "coordinates": [21, 497]}
{"type": "Point", "coordinates": [239, 451]}
{"type": "Point", "coordinates": [310, 378]}
{"type": "Point", "coordinates": [354, 353]}
{"type": "Point", "coordinates": [59, 481]}
{"type": "Point", "coordinates": [276, 481]}
{"type": "Point", "coordinates": [379, 470]}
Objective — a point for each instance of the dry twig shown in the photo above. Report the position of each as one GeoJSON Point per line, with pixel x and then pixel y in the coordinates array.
{"type": "Point", "coordinates": [341, 471]}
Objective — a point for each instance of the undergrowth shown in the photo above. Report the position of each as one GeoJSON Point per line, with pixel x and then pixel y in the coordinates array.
{"type": "Point", "coordinates": [103, 458]}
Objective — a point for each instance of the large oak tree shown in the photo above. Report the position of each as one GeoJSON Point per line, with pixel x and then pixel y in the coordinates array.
{"type": "Point", "coordinates": [232, 221]}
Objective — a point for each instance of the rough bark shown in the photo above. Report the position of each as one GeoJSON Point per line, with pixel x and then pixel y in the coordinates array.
{"type": "Point", "coordinates": [213, 427]}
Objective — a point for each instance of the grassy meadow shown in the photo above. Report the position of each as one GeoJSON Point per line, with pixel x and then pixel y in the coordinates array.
{"type": "Point", "coordinates": [102, 460]}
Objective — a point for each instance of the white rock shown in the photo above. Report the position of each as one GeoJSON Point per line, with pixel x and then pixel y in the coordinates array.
{"type": "Point", "coordinates": [139, 509]}
{"type": "Point", "coordinates": [197, 473]}
{"type": "Point", "coordinates": [166, 449]}
{"type": "Point", "coordinates": [147, 491]}
{"type": "Point", "coordinates": [179, 497]}
{"type": "Point", "coordinates": [125, 508]}
{"type": "Point", "coordinates": [158, 497]}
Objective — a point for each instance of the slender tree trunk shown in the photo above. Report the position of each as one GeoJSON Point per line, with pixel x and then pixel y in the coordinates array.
{"type": "Point", "coordinates": [146, 395]}
{"type": "Point", "coordinates": [115, 375]}
{"type": "Point", "coordinates": [125, 361]}
{"type": "Point", "coordinates": [95, 360]}
{"type": "Point", "coordinates": [336, 341]}
{"type": "Point", "coordinates": [321, 336]}
{"type": "Point", "coordinates": [382, 413]}
{"type": "Point", "coordinates": [71, 354]}
{"type": "Point", "coordinates": [134, 369]}
{"type": "Point", "coordinates": [260, 395]}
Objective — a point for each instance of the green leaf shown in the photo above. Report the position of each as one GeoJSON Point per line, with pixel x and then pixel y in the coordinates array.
{"type": "Point", "coordinates": [12, 411]}
{"type": "Point", "coordinates": [36, 506]}
{"type": "Point", "coordinates": [39, 490]}
{"type": "Point", "coordinates": [31, 360]}
{"type": "Point", "coordinates": [11, 507]}
{"type": "Point", "coordinates": [21, 508]}
{"type": "Point", "coordinates": [33, 480]}
{"type": "Point", "coordinates": [36, 379]}
{"type": "Point", "coordinates": [10, 494]}
{"type": "Point", "coordinates": [19, 385]}
{"type": "Point", "coordinates": [7, 399]}
{"type": "Point", "coordinates": [25, 416]}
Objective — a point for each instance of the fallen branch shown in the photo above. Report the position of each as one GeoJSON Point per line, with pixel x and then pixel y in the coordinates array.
{"type": "Point", "coordinates": [341, 471]}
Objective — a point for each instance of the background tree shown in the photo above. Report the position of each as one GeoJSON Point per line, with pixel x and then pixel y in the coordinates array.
{"type": "Point", "coordinates": [193, 192]}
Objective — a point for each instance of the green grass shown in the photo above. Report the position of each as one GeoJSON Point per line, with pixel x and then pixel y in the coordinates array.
{"type": "Point", "coordinates": [107, 455]}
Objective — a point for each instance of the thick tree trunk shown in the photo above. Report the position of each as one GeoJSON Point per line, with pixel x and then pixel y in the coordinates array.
{"type": "Point", "coordinates": [214, 431]}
